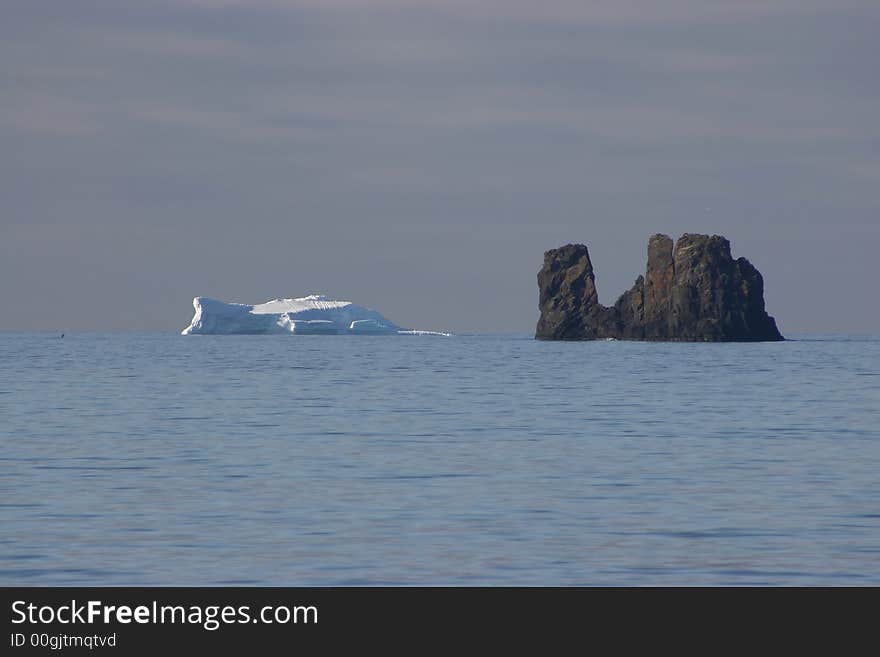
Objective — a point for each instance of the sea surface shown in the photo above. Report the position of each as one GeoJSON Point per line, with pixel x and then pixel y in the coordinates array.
{"type": "Point", "coordinates": [156, 459]}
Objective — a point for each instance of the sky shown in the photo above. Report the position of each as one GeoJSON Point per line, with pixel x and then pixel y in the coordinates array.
{"type": "Point", "coordinates": [418, 157]}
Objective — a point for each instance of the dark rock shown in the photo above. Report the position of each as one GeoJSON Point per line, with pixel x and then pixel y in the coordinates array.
{"type": "Point", "coordinates": [692, 291]}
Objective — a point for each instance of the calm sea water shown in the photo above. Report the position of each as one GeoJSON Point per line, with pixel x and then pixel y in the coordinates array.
{"type": "Point", "coordinates": [497, 460]}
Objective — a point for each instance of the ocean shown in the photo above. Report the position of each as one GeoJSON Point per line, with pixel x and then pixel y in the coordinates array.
{"type": "Point", "coordinates": [156, 459]}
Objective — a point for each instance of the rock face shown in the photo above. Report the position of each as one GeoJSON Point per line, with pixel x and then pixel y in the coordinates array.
{"type": "Point", "coordinates": [694, 291]}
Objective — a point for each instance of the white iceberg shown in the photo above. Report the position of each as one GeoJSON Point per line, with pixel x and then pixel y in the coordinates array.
{"type": "Point", "coordinates": [315, 314]}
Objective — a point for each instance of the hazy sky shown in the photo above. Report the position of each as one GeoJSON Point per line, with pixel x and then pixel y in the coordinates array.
{"type": "Point", "coordinates": [419, 157]}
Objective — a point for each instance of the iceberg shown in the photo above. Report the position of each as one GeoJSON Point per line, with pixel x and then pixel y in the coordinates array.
{"type": "Point", "coordinates": [315, 314]}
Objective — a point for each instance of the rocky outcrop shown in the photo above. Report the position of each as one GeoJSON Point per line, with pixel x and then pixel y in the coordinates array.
{"type": "Point", "coordinates": [692, 291]}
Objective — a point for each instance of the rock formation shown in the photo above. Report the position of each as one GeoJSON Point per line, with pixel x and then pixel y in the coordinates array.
{"type": "Point", "coordinates": [693, 292]}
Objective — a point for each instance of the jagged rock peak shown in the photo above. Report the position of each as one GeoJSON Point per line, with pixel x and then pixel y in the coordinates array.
{"type": "Point", "coordinates": [692, 290]}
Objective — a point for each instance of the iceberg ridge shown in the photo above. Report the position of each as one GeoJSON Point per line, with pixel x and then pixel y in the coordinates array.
{"type": "Point", "coordinates": [315, 314]}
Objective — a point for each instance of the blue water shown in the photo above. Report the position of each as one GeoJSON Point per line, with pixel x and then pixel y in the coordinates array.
{"type": "Point", "coordinates": [498, 460]}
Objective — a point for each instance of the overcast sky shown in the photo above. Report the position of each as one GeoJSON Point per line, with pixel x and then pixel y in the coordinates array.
{"type": "Point", "coordinates": [419, 157]}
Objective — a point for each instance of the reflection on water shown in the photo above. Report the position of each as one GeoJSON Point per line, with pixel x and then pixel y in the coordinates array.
{"type": "Point", "coordinates": [157, 459]}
